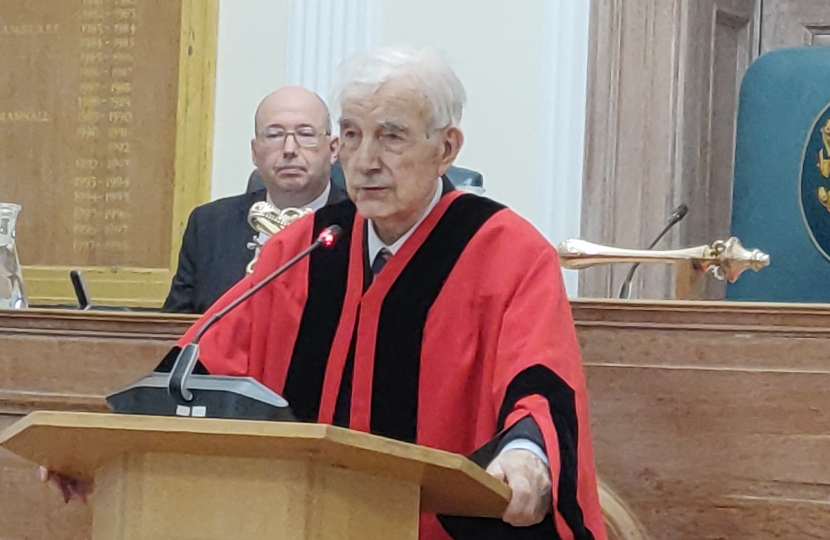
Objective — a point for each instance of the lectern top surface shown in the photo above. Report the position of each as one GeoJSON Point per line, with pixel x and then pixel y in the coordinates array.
{"type": "Point", "coordinates": [78, 444]}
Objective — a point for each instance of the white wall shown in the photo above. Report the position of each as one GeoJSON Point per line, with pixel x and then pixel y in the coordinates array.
{"type": "Point", "coordinates": [251, 62]}
{"type": "Point", "coordinates": [494, 46]}
{"type": "Point", "coordinates": [523, 63]}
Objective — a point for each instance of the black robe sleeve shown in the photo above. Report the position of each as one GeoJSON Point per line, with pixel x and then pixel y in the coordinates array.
{"type": "Point", "coordinates": [465, 528]}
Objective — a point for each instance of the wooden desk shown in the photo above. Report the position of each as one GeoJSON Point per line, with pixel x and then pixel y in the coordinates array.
{"type": "Point", "coordinates": [710, 420]}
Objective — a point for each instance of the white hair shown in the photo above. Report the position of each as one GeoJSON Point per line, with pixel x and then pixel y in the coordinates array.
{"type": "Point", "coordinates": [429, 73]}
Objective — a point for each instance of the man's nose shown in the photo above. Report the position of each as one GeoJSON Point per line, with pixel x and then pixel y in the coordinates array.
{"type": "Point", "coordinates": [290, 146]}
{"type": "Point", "coordinates": [367, 157]}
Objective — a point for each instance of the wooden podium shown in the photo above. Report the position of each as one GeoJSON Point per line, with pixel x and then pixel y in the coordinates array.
{"type": "Point", "coordinates": [199, 478]}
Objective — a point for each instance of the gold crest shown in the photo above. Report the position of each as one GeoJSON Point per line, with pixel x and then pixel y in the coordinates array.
{"type": "Point", "coordinates": [824, 153]}
{"type": "Point", "coordinates": [824, 165]}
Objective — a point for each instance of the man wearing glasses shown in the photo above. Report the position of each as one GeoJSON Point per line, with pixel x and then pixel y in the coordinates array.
{"type": "Point", "coordinates": [293, 151]}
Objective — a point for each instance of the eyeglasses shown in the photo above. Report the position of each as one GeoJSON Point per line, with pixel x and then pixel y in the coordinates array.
{"type": "Point", "coordinates": [306, 137]}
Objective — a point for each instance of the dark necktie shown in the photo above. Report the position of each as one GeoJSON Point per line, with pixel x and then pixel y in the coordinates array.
{"type": "Point", "coordinates": [380, 261]}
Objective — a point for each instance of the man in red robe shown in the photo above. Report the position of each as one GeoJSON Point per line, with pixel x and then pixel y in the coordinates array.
{"type": "Point", "coordinates": [439, 318]}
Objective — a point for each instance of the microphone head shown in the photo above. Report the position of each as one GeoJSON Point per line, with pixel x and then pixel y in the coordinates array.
{"type": "Point", "coordinates": [681, 211]}
{"type": "Point", "coordinates": [329, 235]}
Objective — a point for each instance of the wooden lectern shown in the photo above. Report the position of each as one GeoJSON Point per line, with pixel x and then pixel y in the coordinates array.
{"type": "Point", "coordinates": [205, 479]}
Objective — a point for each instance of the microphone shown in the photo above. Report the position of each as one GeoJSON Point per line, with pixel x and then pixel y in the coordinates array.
{"type": "Point", "coordinates": [675, 218]}
{"type": "Point", "coordinates": [181, 393]}
{"type": "Point", "coordinates": [81, 292]}
{"type": "Point", "coordinates": [187, 358]}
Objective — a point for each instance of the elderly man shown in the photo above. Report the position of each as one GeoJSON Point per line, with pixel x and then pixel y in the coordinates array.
{"type": "Point", "coordinates": [293, 151]}
{"type": "Point", "coordinates": [439, 318]}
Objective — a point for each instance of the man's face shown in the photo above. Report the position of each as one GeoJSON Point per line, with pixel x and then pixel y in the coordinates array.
{"type": "Point", "coordinates": [284, 163]}
{"type": "Point", "coordinates": [390, 160]}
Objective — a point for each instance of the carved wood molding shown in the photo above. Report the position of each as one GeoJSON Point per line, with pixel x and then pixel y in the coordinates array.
{"type": "Point", "coordinates": [109, 324]}
{"type": "Point", "coordinates": [809, 320]}
{"type": "Point", "coordinates": [21, 403]}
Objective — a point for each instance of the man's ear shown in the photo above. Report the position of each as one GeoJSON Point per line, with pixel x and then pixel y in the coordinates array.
{"type": "Point", "coordinates": [452, 139]}
{"type": "Point", "coordinates": [334, 146]}
{"type": "Point", "coordinates": [253, 151]}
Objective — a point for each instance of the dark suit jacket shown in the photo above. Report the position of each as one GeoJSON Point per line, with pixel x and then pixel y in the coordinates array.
{"type": "Point", "coordinates": [215, 251]}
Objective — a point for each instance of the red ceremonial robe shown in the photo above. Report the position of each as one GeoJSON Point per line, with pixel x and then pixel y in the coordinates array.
{"type": "Point", "coordinates": [466, 331]}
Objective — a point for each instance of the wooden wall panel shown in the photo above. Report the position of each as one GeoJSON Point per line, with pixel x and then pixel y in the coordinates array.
{"type": "Point", "coordinates": [29, 510]}
{"type": "Point", "coordinates": [105, 139]}
{"type": "Point", "coordinates": [630, 126]}
{"type": "Point", "coordinates": [721, 43]}
{"type": "Point", "coordinates": [105, 81]}
{"type": "Point", "coordinates": [711, 420]}
{"type": "Point", "coordinates": [65, 360]}
{"type": "Point", "coordinates": [794, 23]}
{"type": "Point", "coordinates": [662, 99]}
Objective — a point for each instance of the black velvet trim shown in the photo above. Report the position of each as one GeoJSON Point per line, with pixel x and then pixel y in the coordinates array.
{"type": "Point", "coordinates": [327, 278]}
{"type": "Point", "coordinates": [169, 360]}
{"type": "Point", "coordinates": [526, 428]}
{"type": "Point", "coordinates": [466, 528]}
{"type": "Point", "coordinates": [535, 380]}
{"type": "Point", "coordinates": [463, 528]}
{"type": "Point", "coordinates": [343, 406]}
{"type": "Point", "coordinates": [404, 313]}
{"type": "Point", "coordinates": [368, 275]}
{"type": "Point", "coordinates": [539, 380]}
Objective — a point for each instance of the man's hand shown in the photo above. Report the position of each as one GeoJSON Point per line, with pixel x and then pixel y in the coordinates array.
{"type": "Point", "coordinates": [529, 478]}
{"type": "Point", "coordinates": [70, 488]}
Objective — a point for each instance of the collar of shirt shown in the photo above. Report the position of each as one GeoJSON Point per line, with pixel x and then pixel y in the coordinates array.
{"type": "Point", "coordinates": [373, 242]}
{"type": "Point", "coordinates": [315, 205]}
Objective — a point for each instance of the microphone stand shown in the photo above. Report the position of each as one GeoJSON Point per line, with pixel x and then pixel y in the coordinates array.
{"type": "Point", "coordinates": [676, 217]}
{"type": "Point", "coordinates": [189, 354]}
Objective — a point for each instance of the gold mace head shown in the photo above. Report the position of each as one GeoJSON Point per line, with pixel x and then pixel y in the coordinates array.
{"type": "Point", "coordinates": [266, 219]}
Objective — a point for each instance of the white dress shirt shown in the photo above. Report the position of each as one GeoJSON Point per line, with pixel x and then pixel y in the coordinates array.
{"type": "Point", "coordinates": [315, 205]}
{"type": "Point", "coordinates": [373, 242]}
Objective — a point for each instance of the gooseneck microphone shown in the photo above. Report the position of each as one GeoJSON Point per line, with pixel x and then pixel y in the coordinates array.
{"type": "Point", "coordinates": [186, 360]}
{"type": "Point", "coordinates": [675, 218]}
{"type": "Point", "coordinates": [81, 293]}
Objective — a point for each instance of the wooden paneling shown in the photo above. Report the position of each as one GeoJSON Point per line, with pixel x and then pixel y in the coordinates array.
{"type": "Point", "coordinates": [65, 360]}
{"type": "Point", "coordinates": [794, 23]}
{"type": "Point", "coordinates": [69, 359]}
{"type": "Point", "coordinates": [29, 510]}
{"type": "Point", "coordinates": [630, 126]}
{"type": "Point", "coordinates": [721, 43]}
{"type": "Point", "coordinates": [105, 130]}
{"type": "Point", "coordinates": [710, 419]}
{"type": "Point", "coordinates": [662, 99]}
{"type": "Point", "coordinates": [104, 82]}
